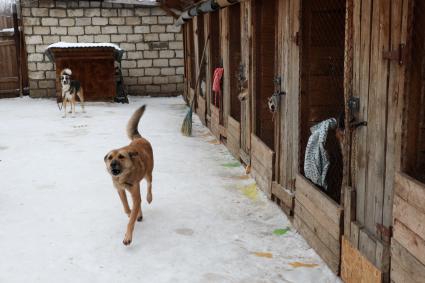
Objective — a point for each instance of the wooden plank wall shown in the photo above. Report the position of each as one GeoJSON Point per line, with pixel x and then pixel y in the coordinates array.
{"type": "Point", "coordinates": [408, 244]}
{"type": "Point", "coordinates": [318, 218]}
{"type": "Point", "coordinates": [262, 164]}
{"type": "Point", "coordinates": [233, 136]}
{"type": "Point", "coordinates": [9, 83]}
{"type": "Point", "coordinates": [201, 110]}
{"type": "Point", "coordinates": [215, 121]}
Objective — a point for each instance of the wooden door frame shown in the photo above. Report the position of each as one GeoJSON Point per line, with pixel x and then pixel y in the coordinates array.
{"type": "Point", "coordinates": [247, 8]}
{"type": "Point", "coordinates": [259, 80]}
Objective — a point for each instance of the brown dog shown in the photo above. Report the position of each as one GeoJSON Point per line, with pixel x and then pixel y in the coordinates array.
{"type": "Point", "coordinates": [128, 166]}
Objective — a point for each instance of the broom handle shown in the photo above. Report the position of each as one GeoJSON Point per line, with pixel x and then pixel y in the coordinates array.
{"type": "Point", "coordinates": [199, 74]}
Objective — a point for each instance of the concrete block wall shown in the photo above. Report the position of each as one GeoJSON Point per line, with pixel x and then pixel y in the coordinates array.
{"type": "Point", "coordinates": [153, 59]}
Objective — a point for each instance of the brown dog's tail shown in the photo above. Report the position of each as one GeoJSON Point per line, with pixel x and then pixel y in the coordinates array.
{"type": "Point", "coordinates": [133, 123]}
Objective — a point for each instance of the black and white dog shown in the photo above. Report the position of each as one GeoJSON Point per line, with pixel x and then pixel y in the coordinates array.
{"type": "Point", "coordinates": [70, 89]}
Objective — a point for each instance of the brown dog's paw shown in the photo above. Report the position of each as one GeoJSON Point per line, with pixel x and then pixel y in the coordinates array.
{"type": "Point", "coordinates": [149, 198]}
{"type": "Point", "coordinates": [127, 240]}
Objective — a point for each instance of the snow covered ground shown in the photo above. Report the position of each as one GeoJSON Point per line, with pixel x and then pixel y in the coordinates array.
{"type": "Point", "coordinates": [62, 221]}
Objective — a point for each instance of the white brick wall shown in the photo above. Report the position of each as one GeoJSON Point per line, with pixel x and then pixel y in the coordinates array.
{"type": "Point", "coordinates": [153, 60]}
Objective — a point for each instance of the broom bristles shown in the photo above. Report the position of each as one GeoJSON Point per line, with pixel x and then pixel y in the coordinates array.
{"type": "Point", "coordinates": [187, 124]}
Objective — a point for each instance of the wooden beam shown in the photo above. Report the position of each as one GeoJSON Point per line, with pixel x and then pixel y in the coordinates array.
{"type": "Point", "coordinates": [134, 2]}
{"type": "Point", "coordinates": [167, 9]}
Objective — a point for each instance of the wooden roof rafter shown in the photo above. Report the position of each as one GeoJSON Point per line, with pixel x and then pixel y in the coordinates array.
{"type": "Point", "coordinates": [180, 5]}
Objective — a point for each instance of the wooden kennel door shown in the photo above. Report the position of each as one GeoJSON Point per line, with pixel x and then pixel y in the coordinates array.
{"type": "Point", "coordinates": [264, 54]}
{"type": "Point", "coordinates": [286, 119]}
{"type": "Point", "coordinates": [377, 83]}
{"type": "Point", "coordinates": [233, 78]}
{"type": "Point", "coordinates": [379, 31]}
{"type": "Point", "coordinates": [246, 80]}
{"type": "Point", "coordinates": [317, 210]}
{"type": "Point", "coordinates": [262, 136]}
{"type": "Point", "coordinates": [322, 77]}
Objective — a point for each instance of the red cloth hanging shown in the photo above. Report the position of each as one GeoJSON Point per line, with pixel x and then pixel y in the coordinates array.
{"type": "Point", "coordinates": [218, 74]}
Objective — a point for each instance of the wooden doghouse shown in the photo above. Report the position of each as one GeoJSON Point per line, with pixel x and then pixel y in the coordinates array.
{"type": "Point", "coordinates": [92, 64]}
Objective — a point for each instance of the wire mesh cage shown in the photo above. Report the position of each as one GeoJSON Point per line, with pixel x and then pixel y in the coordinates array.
{"type": "Point", "coordinates": [322, 93]}
{"type": "Point", "coordinates": [415, 136]}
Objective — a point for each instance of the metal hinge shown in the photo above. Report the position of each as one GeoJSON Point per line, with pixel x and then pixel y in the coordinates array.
{"type": "Point", "coordinates": [277, 81]}
{"type": "Point", "coordinates": [384, 231]}
{"type": "Point", "coordinates": [397, 55]}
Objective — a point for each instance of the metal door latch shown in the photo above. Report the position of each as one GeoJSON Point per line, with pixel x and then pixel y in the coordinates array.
{"type": "Point", "coordinates": [354, 108]}
{"type": "Point", "coordinates": [274, 100]}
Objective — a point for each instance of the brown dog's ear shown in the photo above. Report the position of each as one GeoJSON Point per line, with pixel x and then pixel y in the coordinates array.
{"type": "Point", "coordinates": [104, 159]}
{"type": "Point", "coordinates": [133, 154]}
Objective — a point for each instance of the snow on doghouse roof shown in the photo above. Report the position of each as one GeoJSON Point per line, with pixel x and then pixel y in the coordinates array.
{"type": "Point", "coordinates": [61, 44]}
{"type": "Point", "coordinates": [82, 45]}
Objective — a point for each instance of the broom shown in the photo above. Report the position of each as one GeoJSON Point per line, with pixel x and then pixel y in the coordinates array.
{"type": "Point", "coordinates": [187, 122]}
